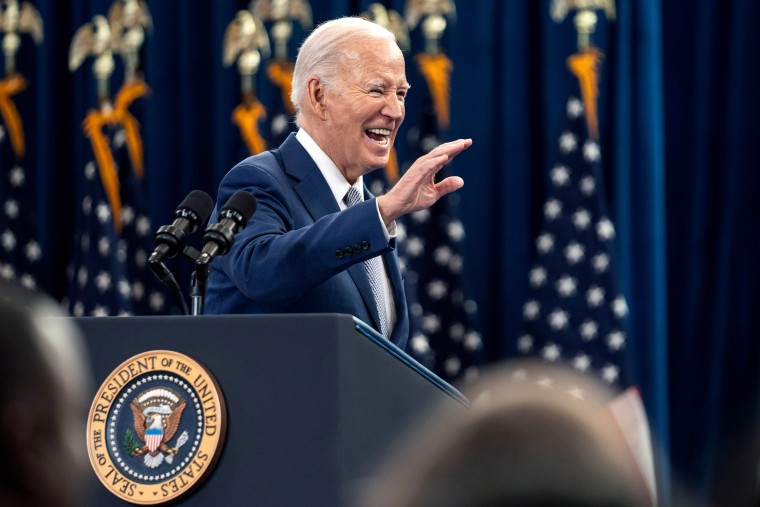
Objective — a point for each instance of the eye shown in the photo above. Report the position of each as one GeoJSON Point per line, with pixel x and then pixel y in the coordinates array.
{"type": "Point", "coordinates": [401, 94]}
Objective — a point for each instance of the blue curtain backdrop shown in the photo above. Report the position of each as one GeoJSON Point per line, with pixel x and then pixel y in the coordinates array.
{"type": "Point", "coordinates": [679, 109]}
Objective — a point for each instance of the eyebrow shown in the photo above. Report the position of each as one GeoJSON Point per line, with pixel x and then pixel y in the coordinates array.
{"type": "Point", "coordinates": [382, 84]}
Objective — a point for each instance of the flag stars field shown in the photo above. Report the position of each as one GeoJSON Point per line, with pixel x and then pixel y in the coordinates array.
{"type": "Point", "coordinates": [537, 276]}
{"type": "Point", "coordinates": [545, 243]}
{"type": "Point", "coordinates": [572, 270]}
{"type": "Point", "coordinates": [587, 185]}
{"type": "Point", "coordinates": [566, 286]}
{"type": "Point", "coordinates": [581, 219]}
{"type": "Point", "coordinates": [591, 151]}
{"type": "Point", "coordinates": [568, 142]}
{"type": "Point", "coordinates": [560, 175]}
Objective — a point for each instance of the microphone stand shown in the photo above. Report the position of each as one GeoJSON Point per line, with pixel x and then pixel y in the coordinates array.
{"type": "Point", "coordinates": [198, 283]}
{"type": "Point", "coordinates": [196, 293]}
{"type": "Point", "coordinates": [167, 278]}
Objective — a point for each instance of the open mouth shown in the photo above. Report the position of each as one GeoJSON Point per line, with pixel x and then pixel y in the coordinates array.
{"type": "Point", "coordinates": [380, 136]}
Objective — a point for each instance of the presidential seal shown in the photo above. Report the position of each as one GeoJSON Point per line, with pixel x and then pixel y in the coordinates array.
{"type": "Point", "coordinates": [156, 427]}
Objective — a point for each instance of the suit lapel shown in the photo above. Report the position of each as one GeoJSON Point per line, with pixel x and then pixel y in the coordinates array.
{"type": "Point", "coordinates": [317, 198]}
{"type": "Point", "coordinates": [309, 183]}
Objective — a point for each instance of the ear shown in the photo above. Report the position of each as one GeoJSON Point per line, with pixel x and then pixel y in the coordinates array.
{"type": "Point", "coordinates": [316, 95]}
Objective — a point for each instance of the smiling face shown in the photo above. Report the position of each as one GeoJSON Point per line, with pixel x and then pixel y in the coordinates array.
{"type": "Point", "coordinates": [360, 116]}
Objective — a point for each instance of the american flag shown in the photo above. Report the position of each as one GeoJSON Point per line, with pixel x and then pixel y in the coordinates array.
{"type": "Point", "coordinates": [148, 295]}
{"type": "Point", "coordinates": [442, 333]}
{"type": "Point", "coordinates": [98, 283]}
{"type": "Point", "coordinates": [21, 256]}
{"type": "Point", "coordinates": [575, 312]}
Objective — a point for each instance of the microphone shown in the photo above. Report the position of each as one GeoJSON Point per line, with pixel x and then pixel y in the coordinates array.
{"type": "Point", "coordinates": [191, 214]}
{"type": "Point", "coordinates": [218, 238]}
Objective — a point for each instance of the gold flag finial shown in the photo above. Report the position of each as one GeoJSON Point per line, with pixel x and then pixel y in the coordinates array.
{"type": "Point", "coordinates": [435, 13]}
{"type": "Point", "coordinates": [586, 64]}
{"type": "Point", "coordinates": [585, 19]}
{"type": "Point", "coordinates": [282, 13]}
{"type": "Point", "coordinates": [129, 19]}
{"type": "Point", "coordinates": [245, 41]}
{"type": "Point", "coordinates": [94, 39]}
{"type": "Point", "coordinates": [15, 19]}
{"type": "Point", "coordinates": [390, 19]}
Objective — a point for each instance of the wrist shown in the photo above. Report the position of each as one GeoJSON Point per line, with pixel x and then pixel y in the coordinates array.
{"type": "Point", "coordinates": [385, 209]}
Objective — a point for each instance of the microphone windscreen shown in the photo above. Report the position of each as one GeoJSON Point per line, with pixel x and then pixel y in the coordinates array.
{"type": "Point", "coordinates": [242, 202]}
{"type": "Point", "coordinates": [198, 203]}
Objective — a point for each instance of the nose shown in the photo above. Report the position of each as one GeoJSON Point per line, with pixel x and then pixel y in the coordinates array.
{"type": "Point", "coordinates": [394, 108]}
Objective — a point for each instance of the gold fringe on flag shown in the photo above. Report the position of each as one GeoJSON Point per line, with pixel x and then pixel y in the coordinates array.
{"type": "Point", "coordinates": [246, 116]}
{"type": "Point", "coordinates": [128, 93]}
{"type": "Point", "coordinates": [93, 129]}
{"type": "Point", "coordinates": [280, 72]}
{"type": "Point", "coordinates": [9, 87]}
{"type": "Point", "coordinates": [437, 71]}
{"type": "Point", "coordinates": [586, 67]}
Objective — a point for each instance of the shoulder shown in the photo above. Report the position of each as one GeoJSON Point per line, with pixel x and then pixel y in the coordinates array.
{"type": "Point", "coordinates": [274, 162]}
{"type": "Point", "coordinates": [255, 170]}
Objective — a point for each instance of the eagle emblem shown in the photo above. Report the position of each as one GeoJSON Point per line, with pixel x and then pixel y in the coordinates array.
{"type": "Point", "coordinates": [157, 414]}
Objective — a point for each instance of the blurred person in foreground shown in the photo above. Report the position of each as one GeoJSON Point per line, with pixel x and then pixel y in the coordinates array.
{"type": "Point", "coordinates": [43, 384]}
{"type": "Point", "coordinates": [317, 227]}
{"type": "Point", "coordinates": [535, 435]}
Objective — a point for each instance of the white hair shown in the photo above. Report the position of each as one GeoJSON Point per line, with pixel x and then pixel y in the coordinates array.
{"type": "Point", "coordinates": [323, 52]}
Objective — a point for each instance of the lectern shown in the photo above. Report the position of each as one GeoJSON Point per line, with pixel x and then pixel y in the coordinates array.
{"type": "Point", "coordinates": [312, 401]}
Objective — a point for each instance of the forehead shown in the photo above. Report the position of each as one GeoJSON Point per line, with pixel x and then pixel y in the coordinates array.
{"type": "Point", "coordinates": [373, 60]}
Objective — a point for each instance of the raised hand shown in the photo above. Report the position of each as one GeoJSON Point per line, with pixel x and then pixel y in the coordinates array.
{"type": "Point", "coordinates": [417, 188]}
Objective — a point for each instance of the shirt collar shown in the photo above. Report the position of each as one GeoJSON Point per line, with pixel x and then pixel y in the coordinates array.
{"type": "Point", "coordinates": [337, 182]}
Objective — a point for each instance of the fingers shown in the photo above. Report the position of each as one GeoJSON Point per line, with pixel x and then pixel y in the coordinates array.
{"type": "Point", "coordinates": [448, 185]}
{"type": "Point", "coordinates": [417, 188]}
{"type": "Point", "coordinates": [452, 148]}
{"type": "Point", "coordinates": [444, 153]}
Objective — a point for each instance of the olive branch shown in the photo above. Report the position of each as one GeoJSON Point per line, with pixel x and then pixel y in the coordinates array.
{"type": "Point", "coordinates": [130, 444]}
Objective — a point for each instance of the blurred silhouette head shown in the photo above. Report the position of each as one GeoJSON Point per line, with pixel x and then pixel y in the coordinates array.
{"type": "Point", "coordinates": [44, 381]}
{"type": "Point", "coordinates": [535, 435]}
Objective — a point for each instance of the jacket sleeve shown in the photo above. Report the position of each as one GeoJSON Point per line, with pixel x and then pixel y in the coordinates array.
{"type": "Point", "coordinates": [283, 251]}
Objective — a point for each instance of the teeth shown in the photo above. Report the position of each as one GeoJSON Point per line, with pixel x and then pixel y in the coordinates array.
{"type": "Point", "coordinates": [380, 132]}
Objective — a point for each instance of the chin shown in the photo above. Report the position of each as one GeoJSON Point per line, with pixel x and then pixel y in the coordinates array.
{"type": "Point", "coordinates": [380, 163]}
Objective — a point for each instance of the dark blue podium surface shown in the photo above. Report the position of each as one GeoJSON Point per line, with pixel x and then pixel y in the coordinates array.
{"type": "Point", "coordinates": [313, 401]}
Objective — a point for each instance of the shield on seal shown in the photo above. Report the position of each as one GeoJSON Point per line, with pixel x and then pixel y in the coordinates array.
{"type": "Point", "coordinates": [153, 437]}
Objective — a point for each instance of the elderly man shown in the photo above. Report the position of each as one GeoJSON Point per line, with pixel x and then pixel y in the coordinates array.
{"type": "Point", "coordinates": [320, 242]}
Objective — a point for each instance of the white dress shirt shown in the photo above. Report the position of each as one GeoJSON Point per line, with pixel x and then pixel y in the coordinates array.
{"type": "Point", "coordinates": [339, 187]}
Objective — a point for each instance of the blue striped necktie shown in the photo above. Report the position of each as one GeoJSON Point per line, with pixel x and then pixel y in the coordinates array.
{"type": "Point", "coordinates": [374, 269]}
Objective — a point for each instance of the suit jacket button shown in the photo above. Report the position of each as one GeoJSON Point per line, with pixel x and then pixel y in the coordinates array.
{"type": "Point", "coordinates": [365, 245]}
{"type": "Point", "coordinates": [357, 249]}
{"type": "Point", "coordinates": [339, 254]}
{"type": "Point", "coordinates": [348, 250]}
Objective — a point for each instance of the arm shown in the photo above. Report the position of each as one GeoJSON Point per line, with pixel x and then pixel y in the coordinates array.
{"type": "Point", "coordinates": [283, 252]}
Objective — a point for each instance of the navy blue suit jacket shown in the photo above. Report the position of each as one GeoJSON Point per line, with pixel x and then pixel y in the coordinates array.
{"type": "Point", "coordinates": [299, 253]}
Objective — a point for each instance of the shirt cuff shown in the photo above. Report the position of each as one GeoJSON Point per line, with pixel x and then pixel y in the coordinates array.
{"type": "Point", "coordinates": [390, 232]}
